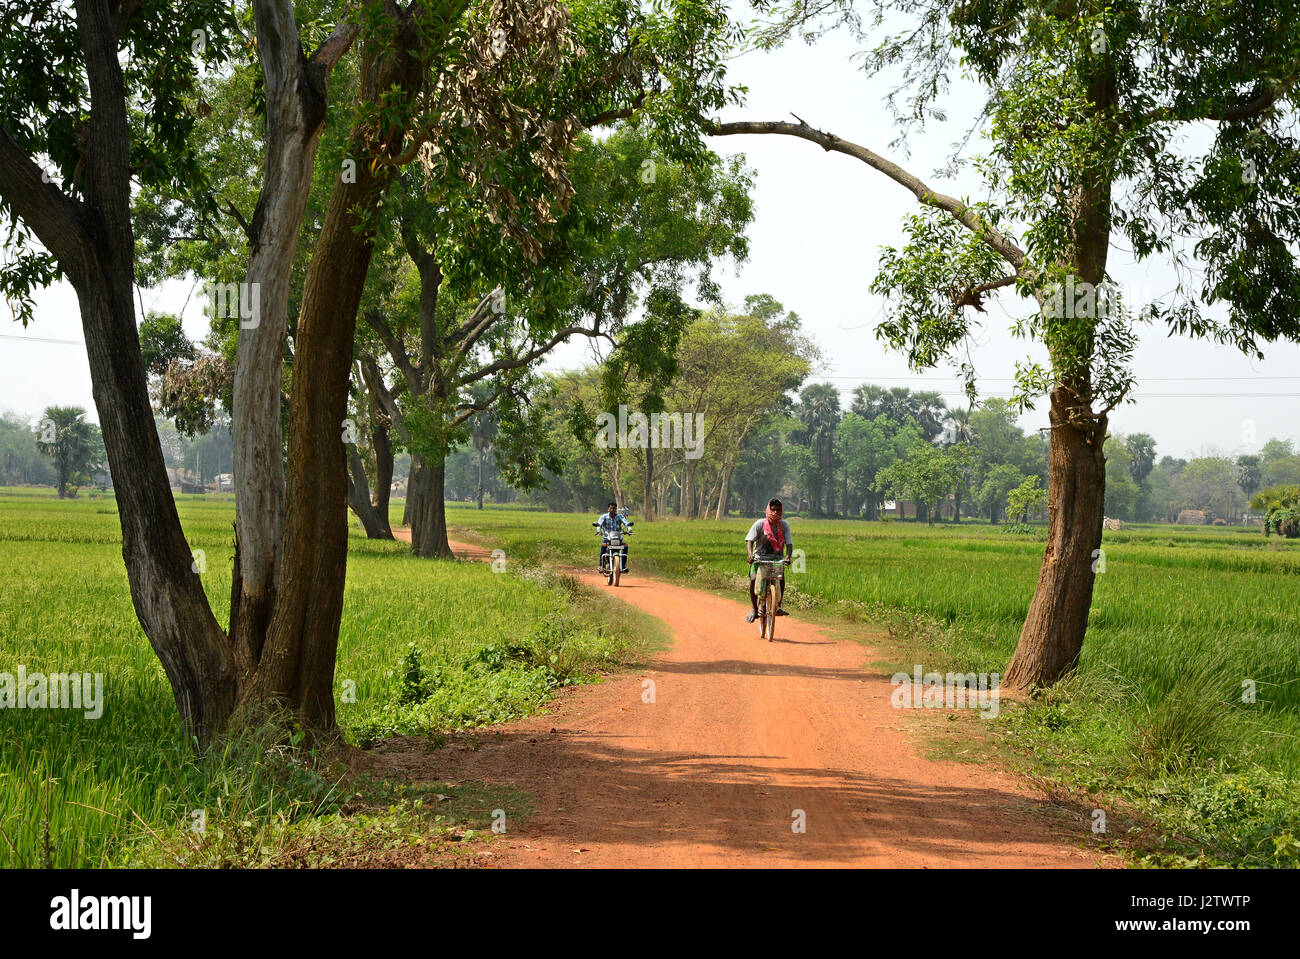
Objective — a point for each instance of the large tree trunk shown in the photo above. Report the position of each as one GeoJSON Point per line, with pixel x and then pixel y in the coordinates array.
{"type": "Point", "coordinates": [359, 497]}
{"type": "Point", "coordinates": [295, 114]}
{"type": "Point", "coordinates": [296, 669]}
{"type": "Point", "coordinates": [429, 512]}
{"type": "Point", "coordinates": [165, 588]}
{"type": "Point", "coordinates": [1052, 637]}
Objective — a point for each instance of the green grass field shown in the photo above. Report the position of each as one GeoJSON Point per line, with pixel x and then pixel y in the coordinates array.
{"type": "Point", "coordinates": [77, 792]}
{"type": "Point", "coordinates": [1182, 617]}
{"type": "Point", "coordinates": [1155, 718]}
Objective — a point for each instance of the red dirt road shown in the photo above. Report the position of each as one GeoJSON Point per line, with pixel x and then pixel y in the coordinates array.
{"type": "Point", "coordinates": [741, 736]}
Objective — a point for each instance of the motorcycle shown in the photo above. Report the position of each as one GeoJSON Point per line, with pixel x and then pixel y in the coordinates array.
{"type": "Point", "coordinates": [613, 548]}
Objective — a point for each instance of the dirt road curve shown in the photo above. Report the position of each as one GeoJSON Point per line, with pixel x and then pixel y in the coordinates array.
{"type": "Point", "coordinates": [741, 735]}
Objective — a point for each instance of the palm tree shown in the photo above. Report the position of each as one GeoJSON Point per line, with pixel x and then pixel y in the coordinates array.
{"type": "Point", "coordinates": [958, 432]}
{"type": "Point", "coordinates": [68, 439]}
{"type": "Point", "coordinates": [819, 411]}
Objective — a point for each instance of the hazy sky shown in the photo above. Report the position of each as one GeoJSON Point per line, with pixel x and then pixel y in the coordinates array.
{"type": "Point", "coordinates": [820, 220]}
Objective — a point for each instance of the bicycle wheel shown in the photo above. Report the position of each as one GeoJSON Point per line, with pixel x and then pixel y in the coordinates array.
{"type": "Point", "coordinates": [770, 613]}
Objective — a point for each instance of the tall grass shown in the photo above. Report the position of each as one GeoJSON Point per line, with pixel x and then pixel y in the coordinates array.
{"type": "Point", "coordinates": [79, 792]}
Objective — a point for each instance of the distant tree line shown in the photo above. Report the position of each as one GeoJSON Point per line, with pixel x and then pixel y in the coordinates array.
{"type": "Point", "coordinates": [877, 452]}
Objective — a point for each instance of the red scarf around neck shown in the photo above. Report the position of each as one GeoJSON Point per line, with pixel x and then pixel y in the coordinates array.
{"type": "Point", "coordinates": [774, 533]}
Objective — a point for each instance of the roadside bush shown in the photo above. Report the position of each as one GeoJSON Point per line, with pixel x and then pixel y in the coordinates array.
{"type": "Point", "coordinates": [1022, 529]}
{"type": "Point", "coordinates": [1283, 521]}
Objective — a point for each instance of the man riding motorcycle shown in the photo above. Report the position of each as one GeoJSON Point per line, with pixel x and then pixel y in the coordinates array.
{"type": "Point", "coordinates": [612, 522]}
{"type": "Point", "coordinates": [767, 539]}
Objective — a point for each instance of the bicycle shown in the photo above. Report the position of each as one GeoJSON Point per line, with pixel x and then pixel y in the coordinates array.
{"type": "Point", "coordinates": [769, 592]}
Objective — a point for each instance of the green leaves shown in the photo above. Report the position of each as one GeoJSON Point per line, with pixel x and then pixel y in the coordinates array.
{"type": "Point", "coordinates": [941, 266]}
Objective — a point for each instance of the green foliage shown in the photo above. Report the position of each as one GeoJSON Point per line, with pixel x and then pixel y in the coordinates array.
{"type": "Point", "coordinates": [1283, 521]}
{"type": "Point", "coordinates": [1026, 499]}
{"type": "Point", "coordinates": [926, 474]}
{"type": "Point", "coordinates": [46, 108]}
{"type": "Point", "coordinates": [998, 485]}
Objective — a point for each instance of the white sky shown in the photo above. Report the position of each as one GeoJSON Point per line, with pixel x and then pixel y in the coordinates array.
{"type": "Point", "coordinates": [820, 220]}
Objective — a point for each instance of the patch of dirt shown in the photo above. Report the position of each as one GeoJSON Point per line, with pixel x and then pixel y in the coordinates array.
{"type": "Point", "coordinates": [716, 753]}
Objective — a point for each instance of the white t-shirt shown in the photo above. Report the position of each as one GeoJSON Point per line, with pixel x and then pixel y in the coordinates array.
{"type": "Point", "coordinates": [762, 547]}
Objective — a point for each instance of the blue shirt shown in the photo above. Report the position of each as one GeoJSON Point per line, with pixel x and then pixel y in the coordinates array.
{"type": "Point", "coordinates": [611, 524]}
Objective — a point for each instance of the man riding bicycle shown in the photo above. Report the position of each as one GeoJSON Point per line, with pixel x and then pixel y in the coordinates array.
{"type": "Point", "coordinates": [612, 522]}
{"type": "Point", "coordinates": [766, 540]}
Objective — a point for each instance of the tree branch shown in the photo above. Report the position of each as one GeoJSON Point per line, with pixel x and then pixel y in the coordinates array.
{"type": "Point", "coordinates": [513, 363]}
{"type": "Point", "coordinates": [337, 43]}
{"type": "Point", "coordinates": [469, 409]}
{"type": "Point", "coordinates": [480, 320]}
{"type": "Point", "coordinates": [961, 212]}
{"type": "Point", "coordinates": [396, 348]}
{"type": "Point", "coordinates": [43, 208]}
{"type": "Point", "coordinates": [124, 10]}
{"type": "Point", "coordinates": [239, 218]}
{"type": "Point", "coordinates": [615, 113]}
{"type": "Point", "coordinates": [974, 295]}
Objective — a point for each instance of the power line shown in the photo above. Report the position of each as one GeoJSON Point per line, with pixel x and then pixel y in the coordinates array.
{"type": "Point", "coordinates": [1012, 380]}
{"type": "Point", "coordinates": [944, 379]}
{"type": "Point", "coordinates": [1136, 396]}
{"type": "Point", "coordinates": [40, 339]}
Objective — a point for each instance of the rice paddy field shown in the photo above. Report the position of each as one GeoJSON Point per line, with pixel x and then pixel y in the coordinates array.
{"type": "Point", "coordinates": [78, 792]}
{"type": "Point", "coordinates": [1185, 623]}
{"type": "Point", "coordinates": [1187, 699]}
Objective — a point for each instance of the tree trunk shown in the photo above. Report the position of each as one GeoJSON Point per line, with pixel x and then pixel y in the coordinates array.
{"type": "Point", "coordinates": [481, 454]}
{"type": "Point", "coordinates": [296, 669]}
{"type": "Point", "coordinates": [688, 489]}
{"type": "Point", "coordinates": [359, 497]}
{"type": "Point", "coordinates": [381, 442]}
{"type": "Point", "coordinates": [295, 114]}
{"type": "Point", "coordinates": [1052, 637]}
{"type": "Point", "coordinates": [429, 512]}
{"type": "Point", "coordinates": [411, 508]}
{"type": "Point", "coordinates": [618, 486]}
{"type": "Point", "coordinates": [724, 494]}
{"type": "Point", "coordinates": [383, 478]}
{"type": "Point", "coordinates": [165, 588]}
{"type": "Point", "coordinates": [647, 488]}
